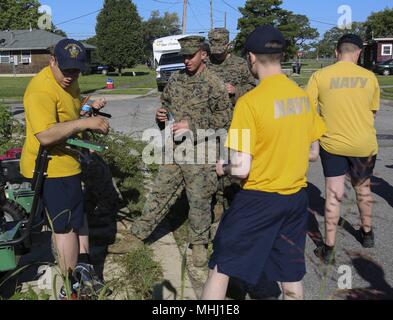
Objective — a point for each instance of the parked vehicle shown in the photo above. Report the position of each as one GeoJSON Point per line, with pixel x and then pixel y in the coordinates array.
{"type": "Point", "coordinates": [97, 68]}
{"type": "Point", "coordinates": [385, 68]}
{"type": "Point", "coordinates": [167, 59]}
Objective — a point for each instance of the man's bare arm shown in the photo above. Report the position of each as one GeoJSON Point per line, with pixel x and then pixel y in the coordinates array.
{"type": "Point", "coordinates": [314, 151]}
{"type": "Point", "coordinates": [62, 131]}
{"type": "Point", "coordinates": [239, 167]}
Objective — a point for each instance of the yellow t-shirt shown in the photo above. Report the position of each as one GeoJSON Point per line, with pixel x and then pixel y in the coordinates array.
{"type": "Point", "coordinates": [276, 124]}
{"type": "Point", "coordinates": [47, 103]}
{"type": "Point", "coordinates": [347, 94]}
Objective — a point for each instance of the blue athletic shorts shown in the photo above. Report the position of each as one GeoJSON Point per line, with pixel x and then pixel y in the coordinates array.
{"type": "Point", "coordinates": [358, 168]}
{"type": "Point", "coordinates": [63, 199]}
{"type": "Point", "coordinates": [262, 234]}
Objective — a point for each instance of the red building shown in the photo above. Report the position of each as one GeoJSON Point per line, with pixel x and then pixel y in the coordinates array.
{"type": "Point", "coordinates": [377, 50]}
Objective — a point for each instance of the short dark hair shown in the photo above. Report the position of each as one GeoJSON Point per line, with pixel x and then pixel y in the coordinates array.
{"type": "Point", "coordinates": [347, 48]}
{"type": "Point", "coordinates": [269, 58]}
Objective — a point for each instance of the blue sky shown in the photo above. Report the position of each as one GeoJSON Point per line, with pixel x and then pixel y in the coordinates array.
{"type": "Point", "coordinates": [323, 12]}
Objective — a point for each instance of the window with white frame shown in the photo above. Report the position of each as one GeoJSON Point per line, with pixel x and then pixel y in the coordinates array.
{"type": "Point", "coordinates": [26, 57]}
{"type": "Point", "coordinates": [387, 49]}
{"type": "Point", "coordinates": [4, 57]}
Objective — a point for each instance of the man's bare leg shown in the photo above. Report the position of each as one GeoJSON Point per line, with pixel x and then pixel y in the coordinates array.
{"type": "Point", "coordinates": [216, 286]}
{"type": "Point", "coordinates": [365, 203]}
{"type": "Point", "coordinates": [334, 196]}
{"type": "Point", "coordinates": [292, 290]}
{"type": "Point", "coordinates": [67, 248]}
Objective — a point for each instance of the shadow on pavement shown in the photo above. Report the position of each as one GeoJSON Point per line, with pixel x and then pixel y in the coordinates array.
{"type": "Point", "coordinates": [371, 272]}
{"type": "Point", "coordinates": [316, 207]}
{"type": "Point", "coordinates": [382, 188]}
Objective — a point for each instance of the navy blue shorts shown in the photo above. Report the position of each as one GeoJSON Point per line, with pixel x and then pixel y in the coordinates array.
{"type": "Point", "coordinates": [63, 199]}
{"type": "Point", "coordinates": [358, 168]}
{"type": "Point", "coordinates": [262, 234]}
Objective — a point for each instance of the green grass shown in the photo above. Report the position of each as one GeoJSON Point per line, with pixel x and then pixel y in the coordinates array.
{"type": "Point", "coordinates": [131, 91]}
{"type": "Point", "coordinates": [387, 93]}
{"type": "Point", "coordinates": [385, 80]}
{"type": "Point", "coordinates": [143, 79]}
{"type": "Point", "coordinates": [139, 274]}
{"type": "Point", "coordinates": [14, 88]}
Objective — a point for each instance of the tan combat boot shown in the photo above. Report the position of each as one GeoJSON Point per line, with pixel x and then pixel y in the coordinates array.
{"type": "Point", "coordinates": [199, 255]}
{"type": "Point", "coordinates": [125, 242]}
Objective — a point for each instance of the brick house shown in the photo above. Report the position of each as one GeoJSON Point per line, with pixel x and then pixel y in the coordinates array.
{"type": "Point", "coordinates": [27, 51]}
{"type": "Point", "coordinates": [378, 50]}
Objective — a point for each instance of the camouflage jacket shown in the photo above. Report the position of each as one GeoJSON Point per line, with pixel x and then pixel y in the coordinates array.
{"type": "Point", "coordinates": [200, 99]}
{"type": "Point", "coordinates": [234, 70]}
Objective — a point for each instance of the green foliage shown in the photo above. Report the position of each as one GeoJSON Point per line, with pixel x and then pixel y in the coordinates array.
{"type": "Point", "coordinates": [30, 294]}
{"type": "Point", "coordinates": [11, 131]}
{"type": "Point", "coordinates": [158, 26]}
{"type": "Point", "coordinates": [326, 47]}
{"type": "Point", "coordinates": [296, 28]}
{"type": "Point", "coordinates": [119, 30]}
{"type": "Point", "coordinates": [140, 273]}
{"type": "Point", "coordinates": [124, 159]}
{"type": "Point", "coordinates": [380, 24]}
{"type": "Point", "coordinates": [94, 54]}
{"type": "Point", "coordinates": [16, 15]}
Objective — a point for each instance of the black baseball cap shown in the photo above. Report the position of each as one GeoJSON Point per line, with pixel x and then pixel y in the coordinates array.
{"type": "Point", "coordinates": [350, 38]}
{"type": "Point", "coordinates": [70, 54]}
{"type": "Point", "coordinates": [265, 40]}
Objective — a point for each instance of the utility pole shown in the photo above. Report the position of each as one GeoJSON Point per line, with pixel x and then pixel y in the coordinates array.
{"type": "Point", "coordinates": [211, 15]}
{"type": "Point", "coordinates": [184, 16]}
{"type": "Point", "coordinates": [225, 19]}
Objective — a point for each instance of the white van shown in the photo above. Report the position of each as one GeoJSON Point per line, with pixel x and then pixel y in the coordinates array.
{"type": "Point", "coordinates": [166, 58]}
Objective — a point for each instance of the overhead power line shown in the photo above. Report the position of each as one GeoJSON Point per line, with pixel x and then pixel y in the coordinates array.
{"type": "Point", "coordinates": [76, 18]}
{"type": "Point", "coordinates": [167, 2]}
{"type": "Point", "coordinates": [194, 14]}
{"type": "Point", "coordinates": [230, 6]}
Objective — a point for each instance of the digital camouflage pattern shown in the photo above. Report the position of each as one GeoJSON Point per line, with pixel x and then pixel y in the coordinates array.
{"type": "Point", "coordinates": [218, 40]}
{"type": "Point", "coordinates": [234, 70]}
{"type": "Point", "coordinates": [190, 45]}
{"type": "Point", "coordinates": [203, 101]}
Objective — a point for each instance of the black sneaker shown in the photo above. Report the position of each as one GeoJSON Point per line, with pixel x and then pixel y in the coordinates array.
{"type": "Point", "coordinates": [326, 254]}
{"type": "Point", "coordinates": [366, 238]}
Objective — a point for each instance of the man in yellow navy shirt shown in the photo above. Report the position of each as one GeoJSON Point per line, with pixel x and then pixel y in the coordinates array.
{"type": "Point", "coordinates": [52, 105]}
{"type": "Point", "coordinates": [273, 127]}
{"type": "Point", "coordinates": [348, 97]}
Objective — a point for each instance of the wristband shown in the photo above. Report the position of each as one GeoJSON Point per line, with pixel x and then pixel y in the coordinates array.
{"type": "Point", "coordinates": [86, 108]}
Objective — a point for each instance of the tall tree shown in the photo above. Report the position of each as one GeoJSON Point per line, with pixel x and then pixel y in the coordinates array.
{"type": "Point", "coordinates": [298, 32]}
{"type": "Point", "coordinates": [326, 47]}
{"type": "Point", "coordinates": [295, 28]}
{"type": "Point", "coordinates": [17, 15]}
{"type": "Point", "coordinates": [380, 24]}
{"type": "Point", "coordinates": [158, 26]}
{"type": "Point", "coordinates": [255, 13]}
{"type": "Point", "coordinates": [119, 30]}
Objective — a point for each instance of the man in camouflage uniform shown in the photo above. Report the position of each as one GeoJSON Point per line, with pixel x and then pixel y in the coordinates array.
{"type": "Point", "coordinates": [197, 98]}
{"type": "Point", "coordinates": [238, 80]}
{"type": "Point", "coordinates": [231, 69]}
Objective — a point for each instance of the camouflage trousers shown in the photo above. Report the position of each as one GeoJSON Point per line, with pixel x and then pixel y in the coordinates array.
{"type": "Point", "coordinates": [200, 183]}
